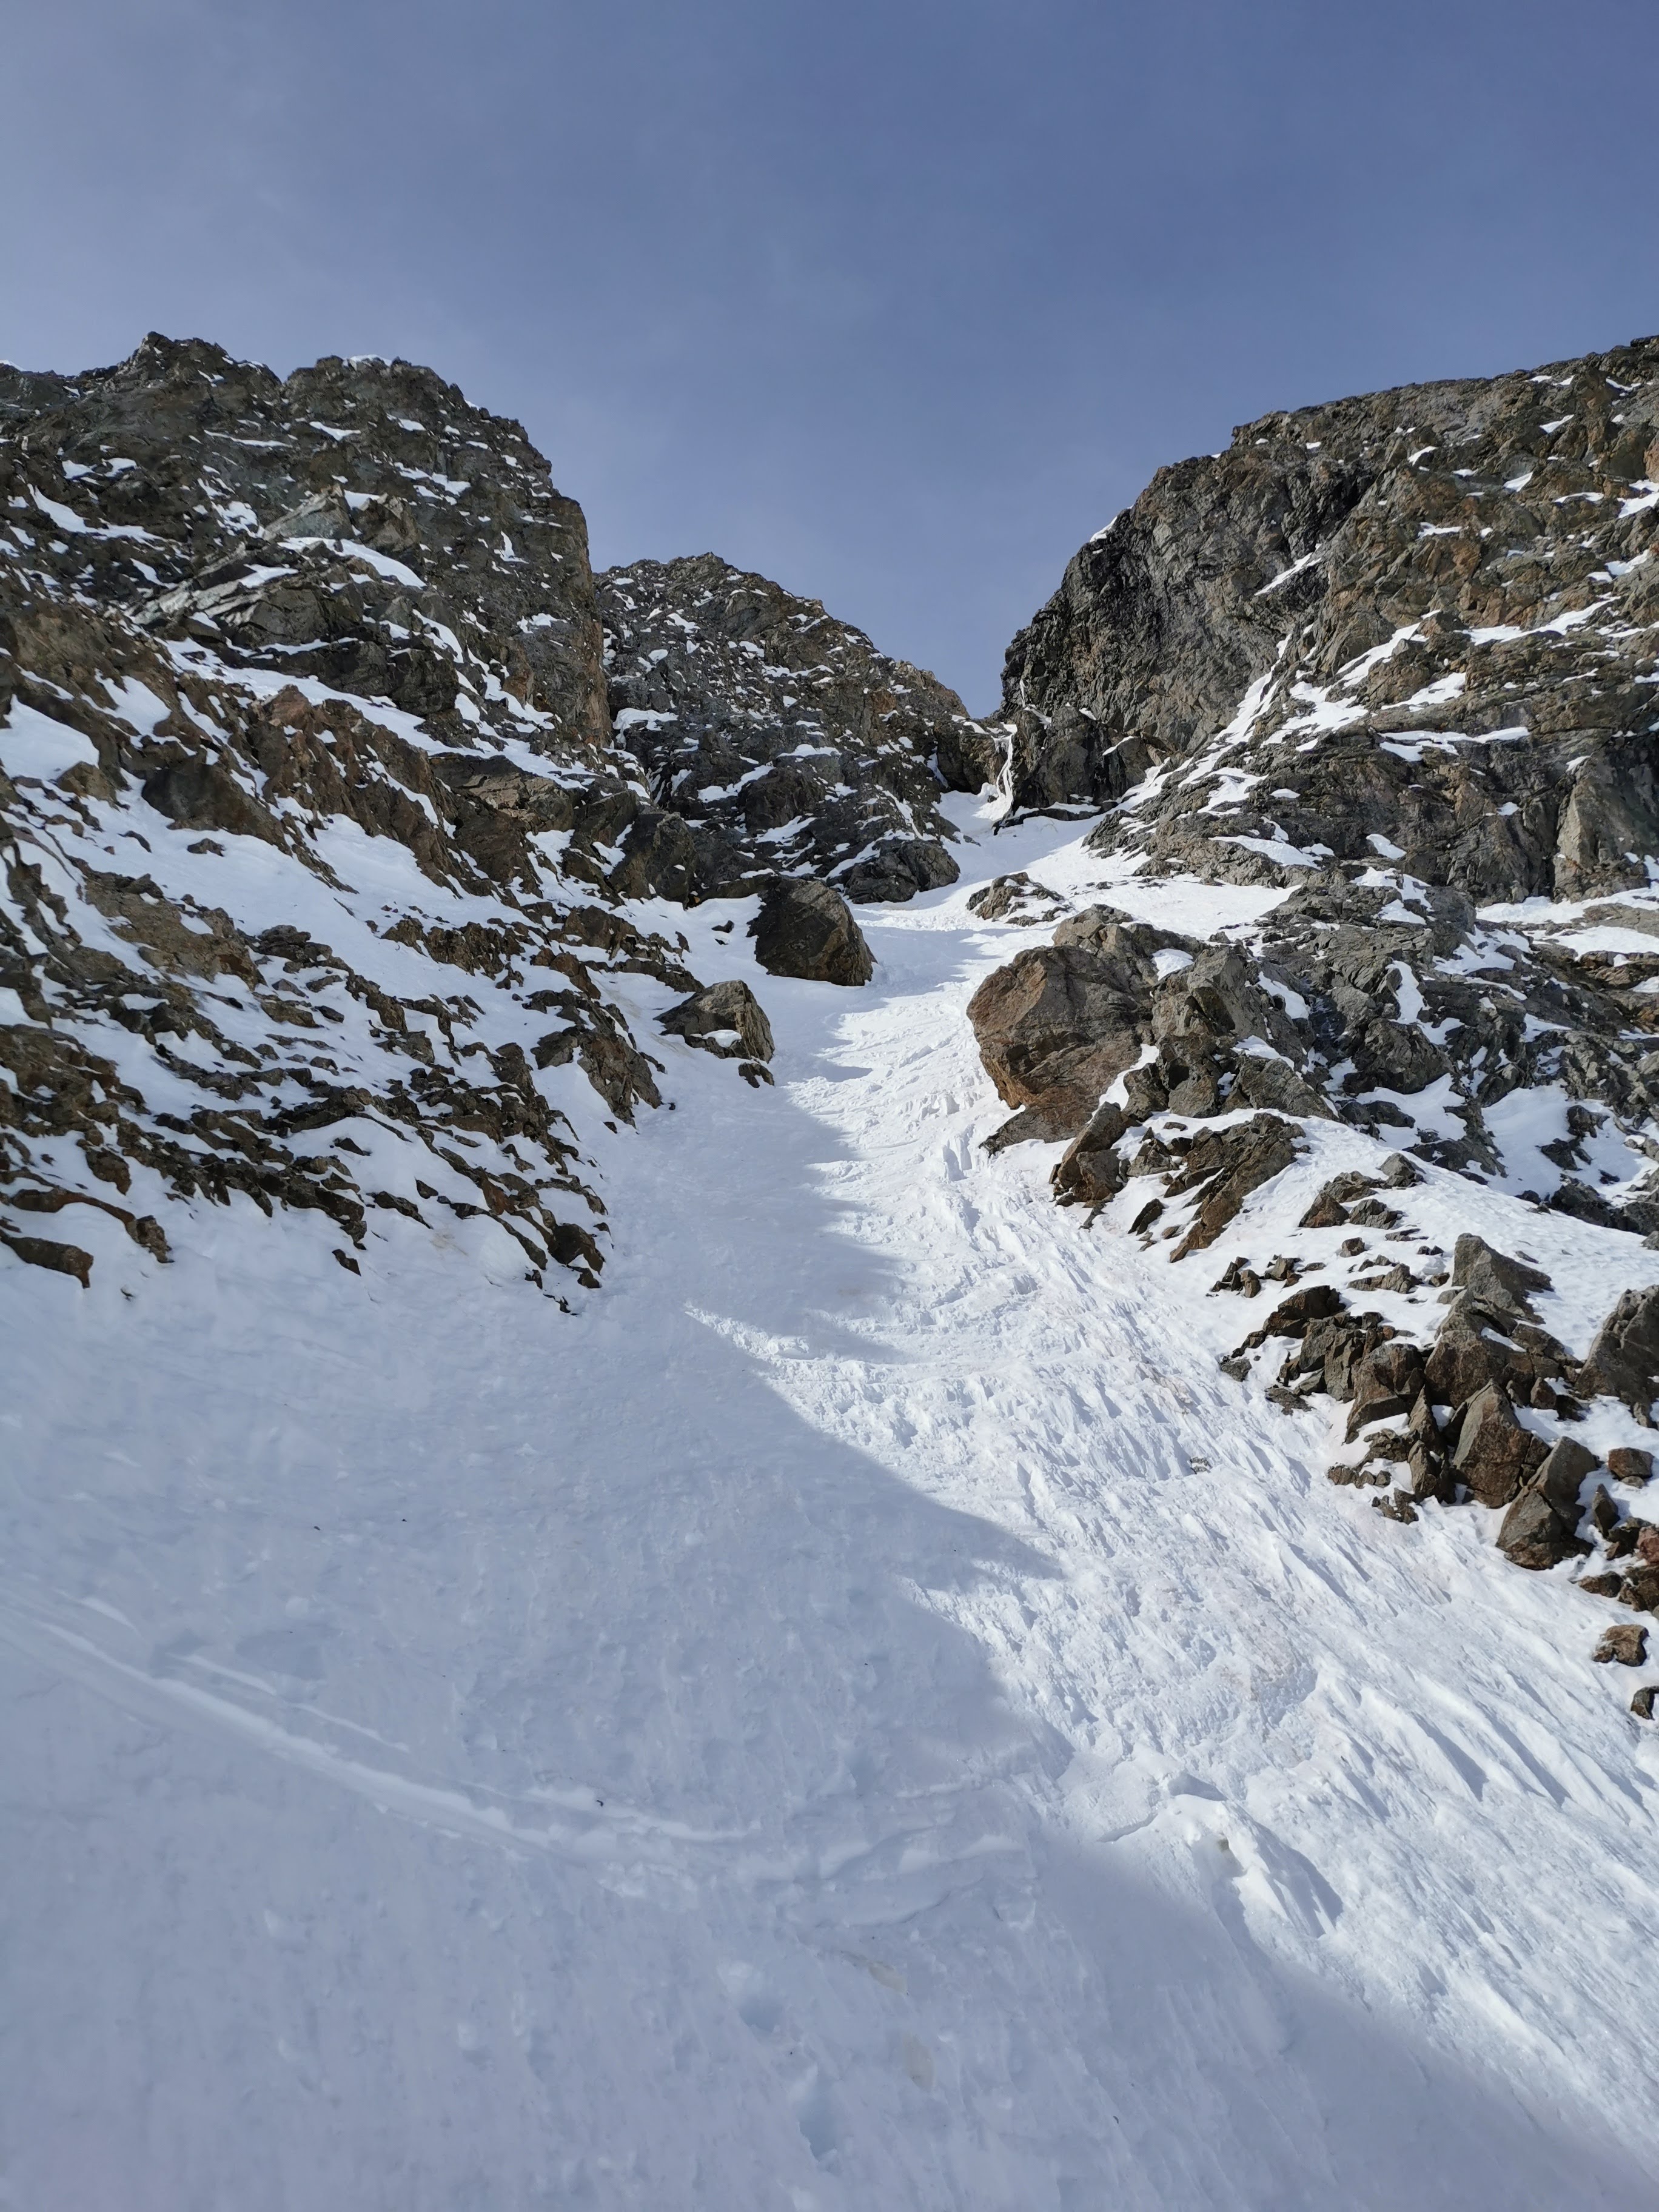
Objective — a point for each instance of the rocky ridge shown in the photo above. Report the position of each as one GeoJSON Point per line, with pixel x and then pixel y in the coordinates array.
{"type": "Point", "coordinates": [319, 836]}
{"type": "Point", "coordinates": [1390, 665]}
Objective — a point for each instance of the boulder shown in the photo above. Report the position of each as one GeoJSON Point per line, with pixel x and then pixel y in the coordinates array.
{"type": "Point", "coordinates": [1091, 1170]}
{"type": "Point", "coordinates": [726, 1020]}
{"type": "Point", "coordinates": [1624, 1360]}
{"type": "Point", "coordinates": [806, 928]}
{"type": "Point", "coordinates": [1625, 1464]}
{"type": "Point", "coordinates": [1389, 1382]}
{"type": "Point", "coordinates": [1495, 1280]}
{"type": "Point", "coordinates": [1495, 1455]}
{"type": "Point", "coordinates": [1642, 1704]}
{"type": "Point", "coordinates": [1626, 1645]}
{"type": "Point", "coordinates": [1562, 1475]}
{"type": "Point", "coordinates": [1533, 1534]}
{"type": "Point", "coordinates": [1058, 1025]}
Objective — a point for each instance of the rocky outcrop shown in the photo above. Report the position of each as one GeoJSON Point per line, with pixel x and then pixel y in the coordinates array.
{"type": "Point", "coordinates": [306, 816]}
{"type": "Point", "coordinates": [1367, 594]}
{"type": "Point", "coordinates": [773, 736]}
{"type": "Point", "coordinates": [806, 928]}
{"type": "Point", "coordinates": [1396, 657]}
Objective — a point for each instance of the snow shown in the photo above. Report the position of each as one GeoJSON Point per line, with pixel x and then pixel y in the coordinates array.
{"type": "Point", "coordinates": [34, 744]}
{"type": "Point", "coordinates": [861, 1714]}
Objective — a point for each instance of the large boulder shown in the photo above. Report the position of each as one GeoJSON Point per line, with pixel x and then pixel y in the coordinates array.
{"type": "Point", "coordinates": [1493, 1278]}
{"type": "Point", "coordinates": [726, 1020]}
{"type": "Point", "coordinates": [806, 928]}
{"type": "Point", "coordinates": [1624, 1360]}
{"type": "Point", "coordinates": [1533, 1534]}
{"type": "Point", "coordinates": [1495, 1455]}
{"type": "Point", "coordinates": [1058, 1025]}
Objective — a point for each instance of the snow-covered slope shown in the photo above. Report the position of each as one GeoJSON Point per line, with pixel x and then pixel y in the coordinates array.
{"type": "Point", "coordinates": [862, 1713]}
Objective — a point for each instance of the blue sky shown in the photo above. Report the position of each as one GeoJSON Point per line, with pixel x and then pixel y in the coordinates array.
{"type": "Point", "coordinates": [896, 302]}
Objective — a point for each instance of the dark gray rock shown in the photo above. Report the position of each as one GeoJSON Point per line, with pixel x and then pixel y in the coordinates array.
{"type": "Point", "coordinates": [806, 928]}
{"type": "Point", "coordinates": [1624, 1360]}
{"type": "Point", "coordinates": [724, 1018]}
{"type": "Point", "coordinates": [780, 737]}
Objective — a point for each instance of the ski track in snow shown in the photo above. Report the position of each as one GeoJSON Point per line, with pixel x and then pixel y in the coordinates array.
{"type": "Point", "coordinates": [861, 1716]}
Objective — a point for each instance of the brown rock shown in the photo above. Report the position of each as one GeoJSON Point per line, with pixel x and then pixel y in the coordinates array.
{"type": "Point", "coordinates": [1091, 1171]}
{"type": "Point", "coordinates": [1495, 1455]}
{"type": "Point", "coordinates": [1058, 1025]}
{"type": "Point", "coordinates": [1388, 1382]}
{"type": "Point", "coordinates": [1495, 1279]}
{"type": "Point", "coordinates": [1626, 1645]}
{"type": "Point", "coordinates": [1642, 1704]}
{"type": "Point", "coordinates": [1533, 1534]}
{"type": "Point", "coordinates": [1625, 1464]}
{"type": "Point", "coordinates": [1560, 1477]}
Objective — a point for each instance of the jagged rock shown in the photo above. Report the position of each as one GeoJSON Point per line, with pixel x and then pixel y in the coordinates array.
{"type": "Point", "coordinates": [725, 1019]}
{"type": "Point", "coordinates": [1477, 1345]}
{"type": "Point", "coordinates": [1625, 1464]}
{"type": "Point", "coordinates": [1533, 1534]}
{"type": "Point", "coordinates": [1330, 1208]}
{"type": "Point", "coordinates": [1561, 1476]}
{"type": "Point", "coordinates": [1640, 1589]}
{"type": "Point", "coordinates": [1494, 1456]}
{"type": "Point", "coordinates": [1397, 1506]}
{"type": "Point", "coordinates": [1624, 1360]}
{"type": "Point", "coordinates": [804, 928]}
{"type": "Point", "coordinates": [1625, 1645]}
{"type": "Point", "coordinates": [1091, 1170]}
{"type": "Point", "coordinates": [777, 737]}
{"type": "Point", "coordinates": [1387, 1382]}
{"type": "Point", "coordinates": [1225, 1164]}
{"type": "Point", "coordinates": [1294, 1316]}
{"type": "Point", "coordinates": [1006, 896]}
{"type": "Point", "coordinates": [1496, 1280]}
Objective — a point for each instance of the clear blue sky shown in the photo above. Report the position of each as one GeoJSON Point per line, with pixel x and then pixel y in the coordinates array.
{"type": "Point", "coordinates": [896, 302]}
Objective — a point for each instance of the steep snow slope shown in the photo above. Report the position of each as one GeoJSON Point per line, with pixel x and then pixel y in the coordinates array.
{"type": "Point", "coordinates": [861, 1714]}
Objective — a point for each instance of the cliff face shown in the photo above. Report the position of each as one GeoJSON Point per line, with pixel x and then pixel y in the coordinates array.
{"type": "Point", "coordinates": [1397, 658]}
{"type": "Point", "coordinates": [1446, 598]}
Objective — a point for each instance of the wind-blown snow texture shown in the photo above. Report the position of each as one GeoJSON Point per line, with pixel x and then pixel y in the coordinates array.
{"type": "Point", "coordinates": [862, 1715]}
{"type": "Point", "coordinates": [850, 1706]}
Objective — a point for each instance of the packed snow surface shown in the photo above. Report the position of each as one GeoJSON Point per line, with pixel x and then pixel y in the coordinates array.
{"type": "Point", "coordinates": [859, 1715]}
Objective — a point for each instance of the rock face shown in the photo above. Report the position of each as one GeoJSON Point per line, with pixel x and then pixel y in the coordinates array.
{"type": "Point", "coordinates": [1390, 573]}
{"type": "Point", "coordinates": [773, 736]}
{"type": "Point", "coordinates": [1394, 656]}
{"type": "Point", "coordinates": [804, 928]}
